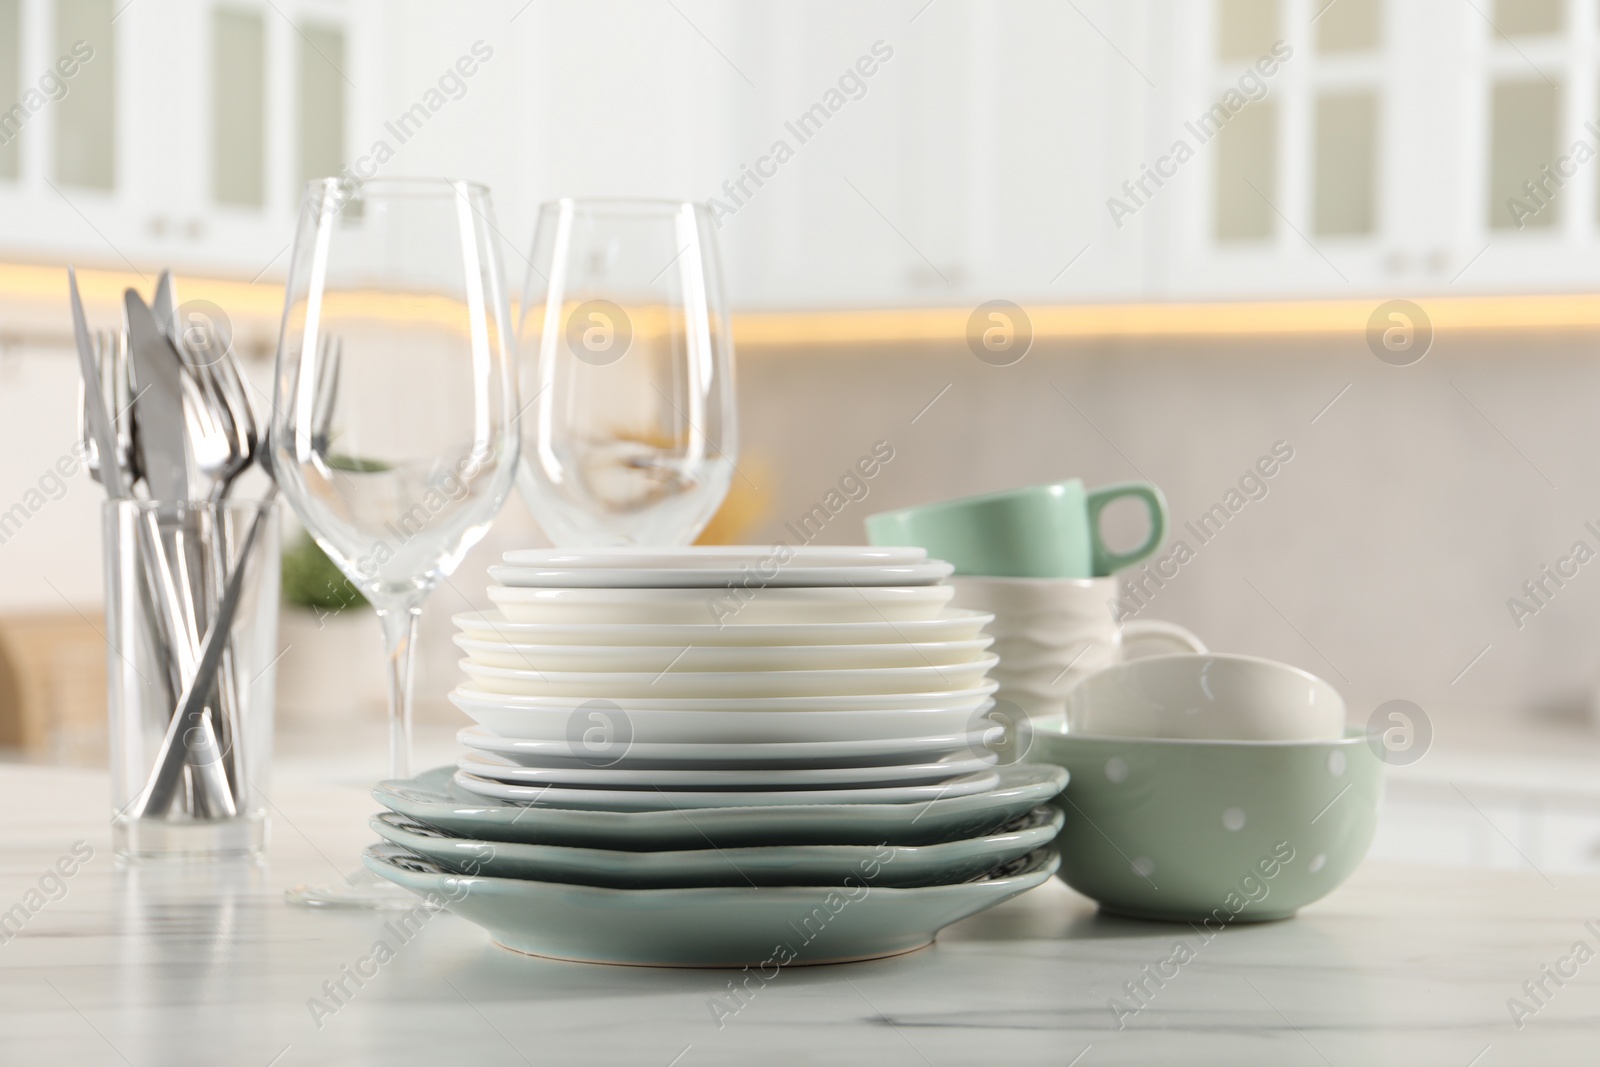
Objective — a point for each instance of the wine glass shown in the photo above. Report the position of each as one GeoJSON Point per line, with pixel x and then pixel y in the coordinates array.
{"type": "Point", "coordinates": [394, 431]}
{"type": "Point", "coordinates": [634, 431]}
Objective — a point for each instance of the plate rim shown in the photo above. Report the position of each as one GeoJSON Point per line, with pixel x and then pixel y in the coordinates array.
{"type": "Point", "coordinates": [695, 552]}
{"type": "Point", "coordinates": [988, 661]}
{"type": "Point", "coordinates": [927, 769]}
{"type": "Point", "coordinates": [938, 700]}
{"type": "Point", "coordinates": [746, 749]}
{"type": "Point", "coordinates": [661, 858]}
{"type": "Point", "coordinates": [678, 799]}
{"type": "Point", "coordinates": [1046, 858]}
{"type": "Point", "coordinates": [528, 576]}
{"type": "Point", "coordinates": [982, 642]}
{"type": "Point", "coordinates": [948, 615]}
{"type": "Point", "coordinates": [609, 595]}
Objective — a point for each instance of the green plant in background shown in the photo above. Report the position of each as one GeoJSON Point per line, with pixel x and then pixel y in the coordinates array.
{"type": "Point", "coordinates": [313, 581]}
{"type": "Point", "coordinates": [358, 464]}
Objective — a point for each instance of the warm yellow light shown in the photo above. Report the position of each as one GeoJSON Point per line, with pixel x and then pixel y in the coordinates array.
{"type": "Point", "coordinates": [262, 303]}
{"type": "Point", "coordinates": [102, 289]}
{"type": "Point", "coordinates": [1254, 318]}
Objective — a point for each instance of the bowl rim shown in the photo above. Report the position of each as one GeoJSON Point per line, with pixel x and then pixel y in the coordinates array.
{"type": "Point", "coordinates": [1353, 735]}
{"type": "Point", "coordinates": [1235, 657]}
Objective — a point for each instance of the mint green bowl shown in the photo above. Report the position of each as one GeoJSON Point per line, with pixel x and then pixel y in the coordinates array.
{"type": "Point", "coordinates": [1213, 832]}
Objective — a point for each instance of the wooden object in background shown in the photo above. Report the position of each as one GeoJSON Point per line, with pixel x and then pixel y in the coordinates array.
{"type": "Point", "coordinates": [745, 507]}
{"type": "Point", "coordinates": [53, 687]}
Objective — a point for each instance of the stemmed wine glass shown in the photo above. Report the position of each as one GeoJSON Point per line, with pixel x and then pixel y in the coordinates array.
{"type": "Point", "coordinates": [631, 399]}
{"type": "Point", "coordinates": [399, 468]}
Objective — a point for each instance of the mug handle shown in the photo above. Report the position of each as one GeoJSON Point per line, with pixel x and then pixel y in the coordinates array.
{"type": "Point", "coordinates": [1106, 562]}
{"type": "Point", "coordinates": [1158, 631]}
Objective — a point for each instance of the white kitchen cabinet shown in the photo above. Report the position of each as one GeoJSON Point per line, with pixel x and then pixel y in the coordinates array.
{"type": "Point", "coordinates": [1468, 102]}
{"type": "Point", "coordinates": [986, 159]}
{"type": "Point", "coordinates": [159, 199]}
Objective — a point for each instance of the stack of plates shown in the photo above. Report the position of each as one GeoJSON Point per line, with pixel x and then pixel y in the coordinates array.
{"type": "Point", "coordinates": [687, 757]}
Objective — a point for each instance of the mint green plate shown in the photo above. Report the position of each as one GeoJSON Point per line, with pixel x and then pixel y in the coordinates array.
{"type": "Point", "coordinates": [769, 927]}
{"type": "Point", "coordinates": [1211, 831]}
{"type": "Point", "coordinates": [433, 798]}
{"type": "Point", "coordinates": [899, 865]}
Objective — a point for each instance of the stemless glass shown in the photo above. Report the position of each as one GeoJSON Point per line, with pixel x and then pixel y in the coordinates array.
{"type": "Point", "coordinates": [634, 432]}
{"type": "Point", "coordinates": [394, 412]}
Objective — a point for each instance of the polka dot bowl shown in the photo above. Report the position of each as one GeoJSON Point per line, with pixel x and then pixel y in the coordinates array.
{"type": "Point", "coordinates": [1212, 832]}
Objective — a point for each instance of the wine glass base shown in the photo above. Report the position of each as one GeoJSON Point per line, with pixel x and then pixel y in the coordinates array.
{"type": "Point", "coordinates": [359, 889]}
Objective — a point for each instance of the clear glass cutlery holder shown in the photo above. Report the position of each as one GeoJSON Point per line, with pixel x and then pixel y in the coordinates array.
{"type": "Point", "coordinates": [167, 569]}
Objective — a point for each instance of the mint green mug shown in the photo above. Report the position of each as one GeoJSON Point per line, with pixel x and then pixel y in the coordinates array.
{"type": "Point", "coordinates": [1040, 531]}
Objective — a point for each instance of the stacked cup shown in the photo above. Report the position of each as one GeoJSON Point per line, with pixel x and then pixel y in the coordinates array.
{"type": "Point", "coordinates": [681, 754]}
{"type": "Point", "coordinates": [1205, 788]}
{"type": "Point", "coordinates": [1035, 559]}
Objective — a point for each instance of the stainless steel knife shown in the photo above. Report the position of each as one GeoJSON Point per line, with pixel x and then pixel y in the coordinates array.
{"type": "Point", "coordinates": [157, 405]}
{"type": "Point", "coordinates": [164, 308]}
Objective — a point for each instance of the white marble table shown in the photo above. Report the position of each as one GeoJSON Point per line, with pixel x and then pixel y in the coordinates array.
{"type": "Point", "coordinates": [171, 966]}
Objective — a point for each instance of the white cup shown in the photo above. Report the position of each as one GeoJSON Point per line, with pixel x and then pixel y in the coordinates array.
{"type": "Point", "coordinates": [1206, 698]}
{"type": "Point", "coordinates": [1050, 633]}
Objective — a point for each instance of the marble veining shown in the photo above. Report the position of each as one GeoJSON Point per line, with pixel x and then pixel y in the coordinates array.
{"type": "Point", "coordinates": [170, 967]}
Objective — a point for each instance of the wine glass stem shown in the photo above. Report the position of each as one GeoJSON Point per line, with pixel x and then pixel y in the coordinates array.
{"type": "Point", "coordinates": [399, 637]}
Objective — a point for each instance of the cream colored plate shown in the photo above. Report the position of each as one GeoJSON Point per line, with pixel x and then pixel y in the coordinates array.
{"type": "Point", "coordinates": [775, 577]}
{"type": "Point", "coordinates": [725, 607]}
{"type": "Point", "coordinates": [951, 624]}
{"type": "Point", "coordinates": [726, 684]}
{"type": "Point", "coordinates": [657, 658]}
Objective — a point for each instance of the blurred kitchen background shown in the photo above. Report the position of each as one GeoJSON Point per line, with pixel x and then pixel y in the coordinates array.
{"type": "Point", "coordinates": [1196, 210]}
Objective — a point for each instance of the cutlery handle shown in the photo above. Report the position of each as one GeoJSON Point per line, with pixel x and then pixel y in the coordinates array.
{"type": "Point", "coordinates": [191, 709]}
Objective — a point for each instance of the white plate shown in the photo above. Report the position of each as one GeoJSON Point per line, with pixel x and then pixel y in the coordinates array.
{"type": "Point", "coordinates": [718, 577]}
{"type": "Point", "coordinates": [552, 796]}
{"type": "Point", "coordinates": [761, 928]}
{"type": "Point", "coordinates": [685, 685]}
{"type": "Point", "coordinates": [725, 607]}
{"type": "Point", "coordinates": [434, 798]}
{"type": "Point", "coordinates": [657, 658]}
{"type": "Point", "coordinates": [874, 753]}
{"type": "Point", "coordinates": [871, 703]}
{"type": "Point", "coordinates": [732, 556]}
{"type": "Point", "coordinates": [867, 702]}
{"type": "Point", "coordinates": [673, 782]}
{"type": "Point", "coordinates": [570, 723]}
{"type": "Point", "coordinates": [952, 624]}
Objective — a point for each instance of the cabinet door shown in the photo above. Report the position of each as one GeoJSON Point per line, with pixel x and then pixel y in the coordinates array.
{"type": "Point", "coordinates": [1278, 149]}
{"type": "Point", "coordinates": [181, 136]}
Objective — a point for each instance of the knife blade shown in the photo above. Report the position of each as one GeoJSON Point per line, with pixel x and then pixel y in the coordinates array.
{"type": "Point", "coordinates": [157, 404]}
{"type": "Point", "coordinates": [164, 308]}
{"type": "Point", "coordinates": [164, 462]}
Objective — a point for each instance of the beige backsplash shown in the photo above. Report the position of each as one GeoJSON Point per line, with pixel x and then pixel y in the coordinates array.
{"type": "Point", "coordinates": [1381, 556]}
